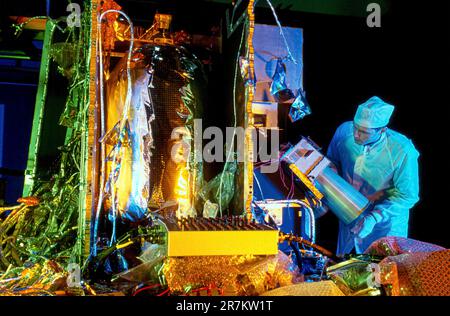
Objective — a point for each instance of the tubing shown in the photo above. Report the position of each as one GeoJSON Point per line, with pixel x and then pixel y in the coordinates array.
{"type": "Point", "coordinates": [306, 206]}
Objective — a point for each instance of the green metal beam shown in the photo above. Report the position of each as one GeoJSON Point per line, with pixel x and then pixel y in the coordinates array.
{"type": "Point", "coordinates": [41, 96]}
{"type": "Point", "coordinates": [15, 57]}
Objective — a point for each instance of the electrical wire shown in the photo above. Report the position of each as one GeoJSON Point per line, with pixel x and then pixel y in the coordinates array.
{"type": "Point", "coordinates": [282, 178]}
{"type": "Point", "coordinates": [259, 186]}
{"type": "Point", "coordinates": [292, 188]}
{"type": "Point", "coordinates": [163, 293]}
{"type": "Point", "coordinates": [122, 126]}
{"type": "Point", "coordinates": [300, 240]}
{"type": "Point", "coordinates": [289, 56]}
{"type": "Point", "coordinates": [152, 286]}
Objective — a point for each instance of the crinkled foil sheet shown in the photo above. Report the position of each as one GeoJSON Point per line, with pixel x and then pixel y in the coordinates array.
{"type": "Point", "coordinates": [37, 279]}
{"type": "Point", "coordinates": [245, 275]}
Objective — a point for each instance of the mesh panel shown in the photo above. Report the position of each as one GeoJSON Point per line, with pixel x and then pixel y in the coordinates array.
{"type": "Point", "coordinates": [166, 104]}
{"type": "Point", "coordinates": [422, 273]}
{"type": "Point", "coordinates": [392, 246]}
{"type": "Point", "coordinates": [413, 267]}
{"type": "Point", "coordinates": [322, 288]}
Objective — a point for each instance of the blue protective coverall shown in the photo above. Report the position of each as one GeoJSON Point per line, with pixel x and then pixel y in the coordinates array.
{"type": "Point", "coordinates": [386, 172]}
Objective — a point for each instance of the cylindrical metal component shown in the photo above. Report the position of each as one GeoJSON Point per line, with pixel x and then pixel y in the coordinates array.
{"type": "Point", "coordinates": [343, 199]}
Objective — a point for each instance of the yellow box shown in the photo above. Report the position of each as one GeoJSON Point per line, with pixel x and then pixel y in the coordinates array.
{"type": "Point", "coordinates": [219, 243]}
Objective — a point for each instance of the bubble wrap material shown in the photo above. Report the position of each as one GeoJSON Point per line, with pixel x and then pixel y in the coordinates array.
{"type": "Point", "coordinates": [392, 246]}
{"type": "Point", "coordinates": [417, 274]}
{"type": "Point", "coordinates": [412, 267]}
{"type": "Point", "coordinates": [322, 288]}
{"type": "Point", "coordinates": [236, 275]}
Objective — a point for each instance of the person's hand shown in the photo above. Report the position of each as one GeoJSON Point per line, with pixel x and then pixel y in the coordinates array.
{"type": "Point", "coordinates": [364, 227]}
{"type": "Point", "coordinates": [320, 211]}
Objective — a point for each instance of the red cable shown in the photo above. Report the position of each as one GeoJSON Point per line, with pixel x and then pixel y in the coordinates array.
{"type": "Point", "coordinates": [281, 172]}
{"type": "Point", "coordinates": [146, 288]}
{"type": "Point", "coordinates": [162, 293]}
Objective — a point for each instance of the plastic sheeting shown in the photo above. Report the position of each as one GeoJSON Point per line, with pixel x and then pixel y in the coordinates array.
{"type": "Point", "coordinates": [279, 78]}
{"type": "Point", "coordinates": [152, 260]}
{"type": "Point", "coordinates": [167, 90]}
{"type": "Point", "coordinates": [300, 108]}
{"type": "Point", "coordinates": [354, 277]}
{"type": "Point", "coordinates": [412, 267]}
{"type": "Point", "coordinates": [220, 189]}
{"type": "Point", "coordinates": [132, 183]}
{"type": "Point", "coordinates": [417, 274]}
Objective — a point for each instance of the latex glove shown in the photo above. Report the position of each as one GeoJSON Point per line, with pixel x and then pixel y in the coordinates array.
{"type": "Point", "coordinates": [365, 226]}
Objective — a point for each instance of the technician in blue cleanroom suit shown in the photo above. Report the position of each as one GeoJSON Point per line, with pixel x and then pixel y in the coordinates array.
{"type": "Point", "coordinates": [381, 164]}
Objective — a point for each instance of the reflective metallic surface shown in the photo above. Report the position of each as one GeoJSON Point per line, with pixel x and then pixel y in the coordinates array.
{"type": "Point", "coordinates": [167, 94]}
{"type": "Point", "coordinates": [344, 200]}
